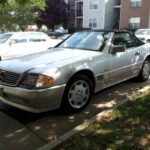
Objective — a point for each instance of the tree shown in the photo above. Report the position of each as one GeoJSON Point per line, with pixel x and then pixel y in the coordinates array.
{"type": "Point", "coordinates": [54, 14]}
{"type": "Point", "coordinates": [19, 12]}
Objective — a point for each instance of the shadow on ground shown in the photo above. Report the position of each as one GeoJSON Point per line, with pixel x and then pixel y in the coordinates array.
{"type": "Point", "coordinates": [50, 125]}
{"type": "Point", "coordinates": [126, 128]}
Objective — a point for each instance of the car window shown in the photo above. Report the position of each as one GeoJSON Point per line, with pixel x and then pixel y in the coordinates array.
{"type": "Point", "coordinates": [85, 41]}
{"type": "Point", "coordinates": [123, 39]}
{"type": "Point", "coordinates": [19, 38]}
{"type": "Point", "coordinates": [36, 37]}
{"type": "Point", "coordinates": [4, 37]}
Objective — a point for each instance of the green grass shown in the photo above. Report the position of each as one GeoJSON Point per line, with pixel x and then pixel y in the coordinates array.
{"type": "Point", "coordinates": [128, 129]}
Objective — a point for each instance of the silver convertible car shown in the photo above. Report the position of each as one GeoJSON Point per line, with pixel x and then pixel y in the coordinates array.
{"type": "Point", "coordinates": [68, 75]}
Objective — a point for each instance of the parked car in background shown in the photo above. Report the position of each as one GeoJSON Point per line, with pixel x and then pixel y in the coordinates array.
{"type": "Point", "coordinates": [64, 36]}
{"type": "Point", "coordinates": [55, 35]}
{"type": "Point", "coordinates": [15, 44]}
{"type": "Point", "coordinates": [68, 75]}
{"type": "Point", "coordinates": [61, 30]}
{"type": "Point", "coordinates": [58, 36]}
{"type": "Point", "coordinates": [143, 35]}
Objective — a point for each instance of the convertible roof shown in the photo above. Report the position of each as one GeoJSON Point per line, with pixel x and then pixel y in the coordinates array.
{"type": "Point", "coordinates": [107, 30]}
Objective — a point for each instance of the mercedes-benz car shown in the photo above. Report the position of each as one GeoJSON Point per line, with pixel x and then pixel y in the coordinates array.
{"type": "Point", "coordinates": [16, 44]}
{"type": "Point", "coordinates": [67, 76]}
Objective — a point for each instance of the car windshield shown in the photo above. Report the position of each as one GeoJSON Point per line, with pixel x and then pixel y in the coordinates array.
{"type": "Point", "coordinates": [142, 32]}
{"type": "Point", "coordinates": [85, 40]}
{"type": "Point", "coordinates": [4, 37]}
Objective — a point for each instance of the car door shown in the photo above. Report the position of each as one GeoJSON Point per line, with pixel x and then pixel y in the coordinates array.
{"type": "Point", "coordinates": [123, 65]}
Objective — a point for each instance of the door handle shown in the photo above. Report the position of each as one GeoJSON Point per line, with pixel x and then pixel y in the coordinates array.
{"type": "Point", "coordinates": [137, 53]}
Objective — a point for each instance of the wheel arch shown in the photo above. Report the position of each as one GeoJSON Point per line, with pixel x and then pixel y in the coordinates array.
{"type": "Point", "coordinates": [148, 56]}
{"type": "Point", "coordinates": [140, 76]}
{"type": "Point", "coordinates": [87, 73]}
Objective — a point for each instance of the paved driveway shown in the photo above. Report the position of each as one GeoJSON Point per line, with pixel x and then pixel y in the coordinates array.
{"type": "Point", "coordinates": [43, 128]}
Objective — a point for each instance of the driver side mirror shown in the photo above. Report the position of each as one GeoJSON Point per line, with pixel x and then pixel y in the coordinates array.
{"type": "Point", "coordinates": [117, 48]}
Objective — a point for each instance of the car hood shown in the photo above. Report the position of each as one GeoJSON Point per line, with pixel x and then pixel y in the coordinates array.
{"type": "Point", "coordinates": [52, 58]}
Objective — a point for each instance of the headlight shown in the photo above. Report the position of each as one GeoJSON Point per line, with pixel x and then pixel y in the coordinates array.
{"type": "Point", "coordinates": [31, 81]}
{"type": "Point", "coordinates": [44, 81]}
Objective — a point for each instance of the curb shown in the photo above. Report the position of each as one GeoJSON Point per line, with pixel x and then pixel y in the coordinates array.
{"type": "Point", "coordinates": [84, 125]}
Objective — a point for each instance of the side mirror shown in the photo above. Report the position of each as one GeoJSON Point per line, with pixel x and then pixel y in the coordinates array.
{"type": "Point", "coordinates": [117, 48]}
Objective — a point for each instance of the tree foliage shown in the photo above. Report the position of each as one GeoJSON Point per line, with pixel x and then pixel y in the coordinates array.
{"type": "Point", "coordinates": [54, 14]}
{"type": "Point", "coordinates": [19, 12]}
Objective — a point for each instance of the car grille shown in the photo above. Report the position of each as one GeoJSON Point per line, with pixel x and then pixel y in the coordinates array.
{"type": "Point", "coordinates": [9, 78]}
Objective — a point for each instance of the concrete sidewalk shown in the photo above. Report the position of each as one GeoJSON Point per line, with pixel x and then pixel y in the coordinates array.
{"type": "Point", "coordinates": [14, 136]}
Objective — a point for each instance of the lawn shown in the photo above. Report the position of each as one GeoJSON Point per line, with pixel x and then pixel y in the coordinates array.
{"type": "Point", "coordinates": [127, 128]}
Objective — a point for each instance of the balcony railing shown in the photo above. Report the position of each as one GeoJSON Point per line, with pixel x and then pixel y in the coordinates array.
{"type": "Point", "coordinates": [118, 4]}
{"type": "Point", "coordinates": [79, 13]}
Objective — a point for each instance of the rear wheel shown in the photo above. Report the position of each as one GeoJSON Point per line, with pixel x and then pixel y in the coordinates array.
{"type": "Point", "coordinates": [77, 93]}
{"type": "Point", "coordinates": [145, 71]}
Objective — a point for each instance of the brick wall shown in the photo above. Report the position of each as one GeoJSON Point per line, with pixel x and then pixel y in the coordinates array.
{"type": "Point", "coordinates": [127, 11]}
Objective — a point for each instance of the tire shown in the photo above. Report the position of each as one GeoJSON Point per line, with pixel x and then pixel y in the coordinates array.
{"type": "Point", "coordinates": [78, 93]}
{"type": "Point", "coordinates": [145, 71]}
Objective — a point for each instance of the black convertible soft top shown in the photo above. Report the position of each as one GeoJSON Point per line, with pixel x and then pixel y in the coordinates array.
{"type": "Point", "coordinates": [108, 30]}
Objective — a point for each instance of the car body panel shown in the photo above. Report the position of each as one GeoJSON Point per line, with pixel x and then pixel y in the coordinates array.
{"type": "Point", "coordinates": [32, 100]}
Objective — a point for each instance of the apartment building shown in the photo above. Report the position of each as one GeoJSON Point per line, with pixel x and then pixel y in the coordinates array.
{"type": "Point", "coordinates": [135, 14]}
{"type": "Point", "coordinates": [71, 5]}
{"type": "Point", "coordinates": [97, 14]}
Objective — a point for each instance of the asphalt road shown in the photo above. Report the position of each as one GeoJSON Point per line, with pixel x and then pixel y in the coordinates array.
{"type": "Point", "coordinates": [50, 125]}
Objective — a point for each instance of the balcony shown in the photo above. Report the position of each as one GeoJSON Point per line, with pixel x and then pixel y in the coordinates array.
{"type": "Point", "coordinates": [79, 13]}
{"type": "Point", "coordinates": [118, 4]}
{"type": "Point", "coordinates": [79, 9]}
{"type": "Point", "coordinates": [79, 22]}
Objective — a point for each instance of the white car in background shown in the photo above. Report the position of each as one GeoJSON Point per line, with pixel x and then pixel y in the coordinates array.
{"type": "Point", "coordinates": [16, 44]}
{"type": "Point", "coordinates": [143, 35]}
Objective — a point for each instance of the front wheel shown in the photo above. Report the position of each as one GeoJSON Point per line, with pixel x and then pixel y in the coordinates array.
{"type": "Point", "coordinates": [77, 93]}
{"type": "Point", "coordinates": [145, 71]}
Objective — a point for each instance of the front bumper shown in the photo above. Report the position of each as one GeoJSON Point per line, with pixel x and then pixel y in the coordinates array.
{"type": "Point", "coordinates": [32, 100]}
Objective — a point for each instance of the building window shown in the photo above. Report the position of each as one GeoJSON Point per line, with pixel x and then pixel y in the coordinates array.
{"type": "Point", "coordinates": [93, 4]}
{"type": "Point", "coordinates": [92, 23]}
{"type": "Point", "coordinates": [135, 3]}
{"type": "Point", "coordinates": [134, 22]}
{"type": "Point", "coordinates": [79, 9]}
